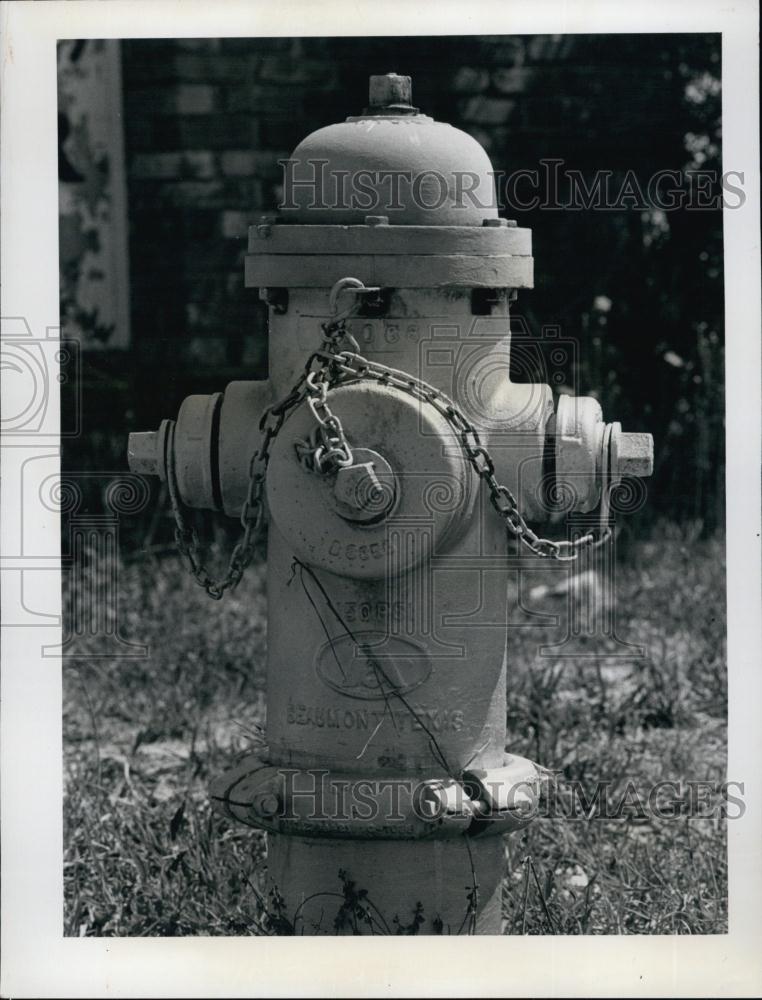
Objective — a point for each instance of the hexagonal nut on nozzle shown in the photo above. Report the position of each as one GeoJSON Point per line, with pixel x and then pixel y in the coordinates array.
{"type": "Point", "coordinates": [143, 453]}
{"type": "Point", "coordinates": [355, 484]}
{"type": "Point", "coordinates": [364, 491]}
{"type": "Point", "coordinates": [633, 454]}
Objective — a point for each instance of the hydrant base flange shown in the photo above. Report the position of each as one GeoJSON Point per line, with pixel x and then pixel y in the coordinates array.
{"type": "Point", "coordinates": [322, 803]}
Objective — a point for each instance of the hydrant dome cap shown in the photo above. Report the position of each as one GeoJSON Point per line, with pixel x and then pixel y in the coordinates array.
{"type": "Point", "coordinates": [390, 161]}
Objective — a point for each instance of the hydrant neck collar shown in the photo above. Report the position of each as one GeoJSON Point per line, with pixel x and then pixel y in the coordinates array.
{"type": "Point", "coordinates": [390, 111]}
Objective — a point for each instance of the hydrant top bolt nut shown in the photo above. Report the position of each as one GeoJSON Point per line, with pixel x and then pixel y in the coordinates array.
{"type": "Point", "coordinates": [389, 89]}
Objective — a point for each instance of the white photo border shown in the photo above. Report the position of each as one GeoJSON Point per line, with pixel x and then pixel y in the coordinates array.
{"type": "Point", "coordinates": [37, 960]}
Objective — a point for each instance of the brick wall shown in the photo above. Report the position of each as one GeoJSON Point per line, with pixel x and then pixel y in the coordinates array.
{"type": "Point", "coordinates": [206, 121]}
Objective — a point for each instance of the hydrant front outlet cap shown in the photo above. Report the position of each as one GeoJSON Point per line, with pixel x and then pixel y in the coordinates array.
{"type": "Point", "coordinates": [422, 475]}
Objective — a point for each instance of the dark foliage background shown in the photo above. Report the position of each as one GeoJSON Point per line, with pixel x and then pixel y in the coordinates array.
{"type": "Point", "coordinates": [207, 120]}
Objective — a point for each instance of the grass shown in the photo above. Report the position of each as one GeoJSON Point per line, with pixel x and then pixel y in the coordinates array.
{"type": "Point", "coordinates": [145, 855]}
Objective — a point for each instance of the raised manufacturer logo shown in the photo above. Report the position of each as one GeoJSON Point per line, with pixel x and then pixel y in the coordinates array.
{"type": "Point", "coordinates": [372, 665]}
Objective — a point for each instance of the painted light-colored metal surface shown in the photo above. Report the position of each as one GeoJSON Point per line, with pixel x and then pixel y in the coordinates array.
{"type": "Point", "coordinates": [390, 156]}
{"type": "Point", "coordinates": [391, 451]}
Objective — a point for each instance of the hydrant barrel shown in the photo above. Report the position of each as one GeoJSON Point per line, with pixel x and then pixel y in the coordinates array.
{"type": "Point", "coordinates": [392, 452]}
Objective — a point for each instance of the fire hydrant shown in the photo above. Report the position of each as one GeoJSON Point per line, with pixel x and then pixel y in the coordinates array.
{"type": "Point", "coordinates": [390, 452]}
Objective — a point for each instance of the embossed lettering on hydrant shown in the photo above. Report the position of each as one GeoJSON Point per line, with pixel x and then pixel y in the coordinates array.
{"type": "Point", "coordinates": [366, 719]}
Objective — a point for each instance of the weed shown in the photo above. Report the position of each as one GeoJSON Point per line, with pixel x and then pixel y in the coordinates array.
{"type": "Point", "coordinates": [145, 855]}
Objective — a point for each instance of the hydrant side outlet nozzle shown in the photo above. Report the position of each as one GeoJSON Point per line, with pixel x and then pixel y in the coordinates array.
{"type": "Point", "coordinates": [580, 441]}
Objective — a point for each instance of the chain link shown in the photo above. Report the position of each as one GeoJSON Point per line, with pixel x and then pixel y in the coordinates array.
{"type": "Point", "coordinates": [327, 449]}
{"type": "Point", "coordinates": [312, 385]}
{"type": "Point", "coordinates": [349, 366]}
